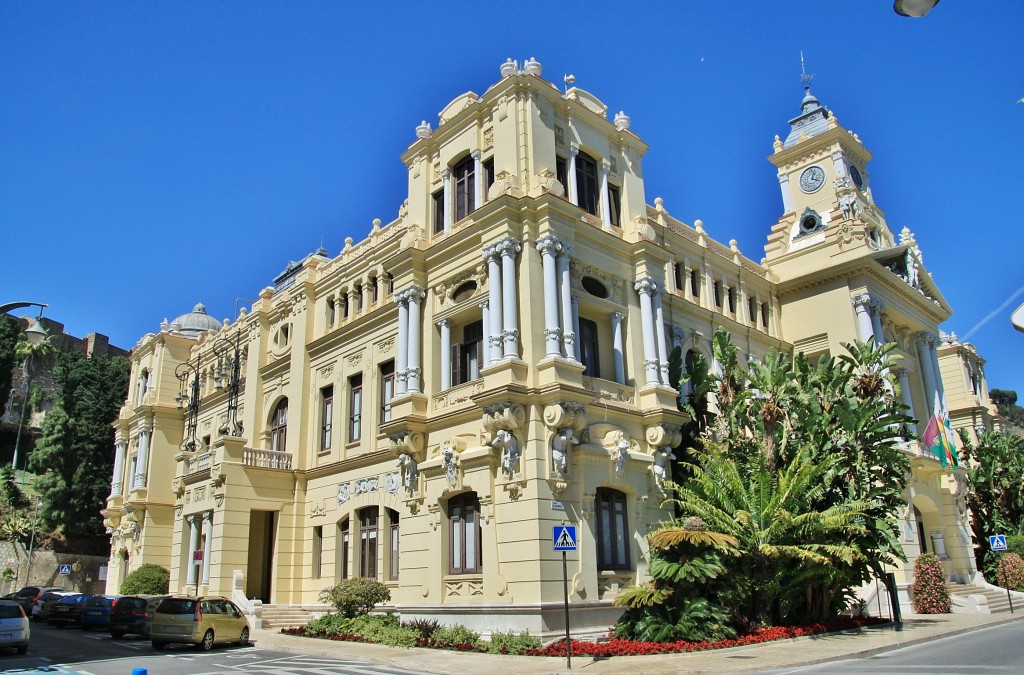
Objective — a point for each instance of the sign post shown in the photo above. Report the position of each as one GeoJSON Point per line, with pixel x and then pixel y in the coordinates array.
{"type": "Point", "coordinates": [997, 542]}
{"type": "Point", "coordinates": [197, 560]}
{"type": "Point", "coordinates": [563, 538]}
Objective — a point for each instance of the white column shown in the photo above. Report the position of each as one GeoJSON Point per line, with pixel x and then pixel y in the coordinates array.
{"type": "Point", "coordinates": [548, 247]}
{"type": "Point", "coordinates": [140, 465]}
{"type": "Point", "coordinates": [510, 328]}
{"type": "Point", "coordinates": [120, 447]}
{"type": "Point", "coordinates": [905, 394]}
{"type": "Point", "coordinates": [787, 202]}
{"type": "Point", "coordinates": [446, 352]}
{"type": "Point", "coordinates": [606, 214]}
{"type": "Point", "coordinates": [574, 194]}
{"type": "Point", "coordinates": [576, 327]}
{"type": "Point", "coordinates": [877, 307]}
{"type": "Point", "coordinates": [485, 356]}
{"type": "Point", "coordinates": [861, 304]}
{"type": "Point", "coordinates": [402, 367]}
{"type": "Point", "coordinates": [620, 368]}
{"type": "Point", "coordinates": [446, 175]}
{"type": "Point", "coordinates": [569, 333]}
{"type": "Point", "coordinates": [478, 179]}
{"type": "Point", "coordinates": [494, 296]}
{"type": "Point", "coordinates": [924, 358]}
{"type": "Point", "coordinates": [416, 294]}
{"type": "Point", "coordinates": [659, 325]}
{"type": "Point", "coordinates": [207, 544]}
{"type": "Point", "coordinates": [193, 521]}
{"type": "Point", "coordinates": [646, 287]}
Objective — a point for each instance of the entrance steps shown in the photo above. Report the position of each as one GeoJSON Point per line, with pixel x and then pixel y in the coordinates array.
{"type": "Point", "coordinates": [290, 616]}
{"type": "Point", "coordinates": [995, 601]}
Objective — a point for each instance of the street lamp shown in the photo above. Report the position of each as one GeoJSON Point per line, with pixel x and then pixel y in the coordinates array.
{"type": "Point", "coordinates": [228, 376]}
{"type": "Point", "coordinates": [915, 8]}
{"type": "Point", "coordinates": [32, 542]}
{"type": "Point", "coordinates": [188, 401]}
{"type": "Point", "coordinates": [36, 334]}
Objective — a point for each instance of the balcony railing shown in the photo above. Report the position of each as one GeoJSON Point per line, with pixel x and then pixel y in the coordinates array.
{"type": "Point", "coordinates": [267, 459]}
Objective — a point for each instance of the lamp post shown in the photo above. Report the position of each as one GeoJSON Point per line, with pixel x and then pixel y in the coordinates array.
{"type": "Point", "coordinates": [36, 334]}
{"type": "Point", "coordinates": [188, 401]}
{"type": "Point", "coordinates": [32, 542]}
{"type": "Point", "coordinates": [228, 376]}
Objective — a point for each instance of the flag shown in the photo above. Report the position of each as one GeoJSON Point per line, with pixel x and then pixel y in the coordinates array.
{"type": "Point", "coordinates": [938, 436]}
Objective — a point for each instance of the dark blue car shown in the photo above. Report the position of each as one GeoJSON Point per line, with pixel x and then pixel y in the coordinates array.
{"type": "Point", "coordinates": [96, 613]}
{"type": "Point", "coordinates": [68, 610]}
{"type": "Point", "coordinates": [133, 614]}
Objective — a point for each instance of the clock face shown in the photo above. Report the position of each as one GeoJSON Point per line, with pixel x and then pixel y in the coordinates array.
{"type": "Point", "coordinates": [857, 179]}
{"type": "Point", "coordinates": [812, 179]}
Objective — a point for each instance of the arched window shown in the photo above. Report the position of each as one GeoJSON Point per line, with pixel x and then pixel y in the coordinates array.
{"type": "Point", "coordinates": [587, 183]}
{"type": "Point", "coordinates": [368, 542]}
{"type": "Point", "coordinates": [279, 426]}
{"type": "Point", "coordinates": [464, 175]}
{"type": "Point", "coordinates": [688, 365]}
{"type": "Point", "coordinates": [343, 548]}
{"type": "Point", "coordinates": [612, 530]}
{"type": "Point", "coordinates": [393, 566]}
{"type": "Point", "coordinates": [464, 535]}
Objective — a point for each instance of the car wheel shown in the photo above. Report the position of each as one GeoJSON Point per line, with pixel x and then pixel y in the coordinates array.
{"type": "Point", "coordinates": [207, 643]}
{"type": "Point", "coordinates": [243, 639]}
{"type": "Point", "coordinates": [117, 634]}
{"type": "Point", "coordinates": [23, 649]}
{"type": "Point", "coordinates": [159, 646]}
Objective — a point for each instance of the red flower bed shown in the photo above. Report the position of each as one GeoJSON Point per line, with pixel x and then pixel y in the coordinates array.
{"type": "Point", "coordinates": [617, 647]}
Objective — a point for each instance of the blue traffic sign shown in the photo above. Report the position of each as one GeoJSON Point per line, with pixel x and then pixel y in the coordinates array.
{"type": "Point", "coordinates": [564, 537]}
{"type": "Point", "coordinates": [65, 569]}
{"type": "Point", "coordinates": [997, 542]}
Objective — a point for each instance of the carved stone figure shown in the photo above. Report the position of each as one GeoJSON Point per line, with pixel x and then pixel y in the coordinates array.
{"type": "Point", "coordinates": [449, 460]}
{"type": "Point", "coordinates": [662, 466]}
{"type": "Point", "coordinates": [560, 445]}
{"type": "Point", "coordinates": [620, 456]}
{"type": "Point", "coordinates": [509, 451]}
{"type": "Point", "coordinates": [409, 470]}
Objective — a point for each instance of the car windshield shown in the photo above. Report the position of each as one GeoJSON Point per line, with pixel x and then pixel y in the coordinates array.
{"type": "Point", "coordinates": [10, 611]}
{"type": "Point", "coordinates": [131, 603]}
{"type": "Point", "coordinates": [70, 600]}
{"type": "Point", "coordinates": [177, 606]}
{"type": "Point", "coordinates": [98, 601]}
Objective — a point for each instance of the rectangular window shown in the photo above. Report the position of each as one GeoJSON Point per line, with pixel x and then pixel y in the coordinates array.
{"type": "Point", "coordinates": [343, 549]}
{"type": "Point", "coordinates": [393, 565]}
{"type": "Point", "coordinates": [326, 416]}
{"type": "Point", "coordinates": [562, 174]}
{"type": "Point", "coordinates": [344, 306]}
{"type": "Point", "coordinates": [374, 290]}
{"type": "Point", "coordinates": [331, 311]}
{"type": "Point", "coordinates": [612, 530]}
{"type": "Point", "coordinates": [368, 542]}
{"type": "Point", "coordinates": [764, 314]}
{"type": "Point", "coordinates": [677, 276]}
{"type": "Point", "coordinates": [387, 390]}
{"type": "Point", "coordinates": [464, 175]}
{"type": "Point", "coordinates": [318, 550]}
{"type": "Point", "coordinates": [355, 408]}
{"type": "Point", "coordinates": [694, 284]}
{"type": "Point", "coordinates": [439, 211]}
{"type": "Point", "coordinates": [752, 310]}
{"type": "Point", "coordinates": [717, 288]}
{"type": "Point", "coordinates": [615, 205]}
{"type": "Point", "coordinates": [731, 294]}
{"type": "Point", "coordinates": [586, 183]}
{"type": "Point", "coordinates": [464, 535]}
{"type": "Point", "coordinates": [488, 176]}
{"type": "Point", "coordinates": [467, 356]}
{"type": "Point", "coordinates": [359, 297]}
{"type": "Point", "coordinates": [589, 348]}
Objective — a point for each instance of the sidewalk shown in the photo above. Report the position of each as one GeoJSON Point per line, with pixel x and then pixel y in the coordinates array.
{"type": "Point", "coordinates": [755, 658]}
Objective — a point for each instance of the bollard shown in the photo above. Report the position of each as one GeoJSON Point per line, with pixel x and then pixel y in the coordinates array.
{"type": "Point", "coordinates": [140, 671]}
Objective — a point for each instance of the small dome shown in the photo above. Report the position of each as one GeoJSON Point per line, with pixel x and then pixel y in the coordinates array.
{"type": "Point", "coordinates": [194, 323]}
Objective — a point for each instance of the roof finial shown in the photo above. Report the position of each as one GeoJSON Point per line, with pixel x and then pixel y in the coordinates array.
{"type": "Point", "coordinates": [805, 77]}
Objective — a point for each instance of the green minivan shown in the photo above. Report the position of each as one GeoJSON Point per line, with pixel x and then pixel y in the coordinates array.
{"type": "Point", "coordinates": [203, 621]}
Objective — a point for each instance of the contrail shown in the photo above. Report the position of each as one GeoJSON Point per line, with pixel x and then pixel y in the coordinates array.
{"type": "Point", "coordinates": [993, 314]}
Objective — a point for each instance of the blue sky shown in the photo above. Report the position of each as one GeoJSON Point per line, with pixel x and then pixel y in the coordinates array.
{"type": "Point", "coordinates": [157, 154]}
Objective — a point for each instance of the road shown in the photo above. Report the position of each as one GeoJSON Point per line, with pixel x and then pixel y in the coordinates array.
{"type": "Point", "coordinates": [988, 651]}
{"type": "Point", "coordinates": [74, 651]}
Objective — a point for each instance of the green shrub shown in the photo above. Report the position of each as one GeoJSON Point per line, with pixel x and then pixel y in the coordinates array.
{"type": "Point", "coordinates": [1015, 544]}
{"type": "Point", "coordinates": [930, 593]}
{"type": "Point", "coordinates": [450, 636]}
{"type": "Point", "coordinates": [1011, 572]}
{"type": "Point", "coordinates": [330, 624]}
{"type": "Point", "coordinates": [148, 579]}
{"type": "Point", "coordinates": [426, 627]}
{"type": "Point", "coordinates": [386, 630]}
{"type": "Point", "coordinates": [356, 596]}
{"type": "Point", "coordinates": [512, 643]}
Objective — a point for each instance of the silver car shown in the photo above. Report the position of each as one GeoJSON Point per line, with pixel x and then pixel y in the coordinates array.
{"type": "Point", "coordinates": [14, 628]}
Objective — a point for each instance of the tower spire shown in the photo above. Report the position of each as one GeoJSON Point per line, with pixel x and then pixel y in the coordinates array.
{"type": "Point", "coordinates": [805, 77]}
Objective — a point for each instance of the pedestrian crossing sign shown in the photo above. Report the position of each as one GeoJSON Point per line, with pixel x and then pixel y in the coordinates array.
{"type": "Point", "coordinates": [65, 569]}
{"type": "Point", "coordinates": [564, 537]}
{"type": "Point", "coordinates": [997, 542]}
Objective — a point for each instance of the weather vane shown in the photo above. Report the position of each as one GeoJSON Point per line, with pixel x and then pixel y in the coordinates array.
{"type": "Point", "coordinates": [805, 77]}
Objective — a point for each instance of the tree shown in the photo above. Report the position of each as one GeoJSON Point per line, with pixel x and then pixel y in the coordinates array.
{"type": "Point", "coordinates": [1006, 401]}
{"type": "Point", "coordinates": [74, 456]}
{"type": "Point", "coordinates": [10, 328]}
{"type": "Point", "coordinates": [148, 579]}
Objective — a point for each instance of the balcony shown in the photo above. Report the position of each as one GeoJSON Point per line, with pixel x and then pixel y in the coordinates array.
{"type": "Point", "coordinates": [197, 468]}
{"type": "Point", "coordinates": [267, 459]}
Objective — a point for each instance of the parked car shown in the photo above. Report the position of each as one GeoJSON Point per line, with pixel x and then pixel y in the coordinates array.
{"type": "Point", "coordinates": [43, 608]}
{"type": "Point", "coordinates": [27, 596]}
{"type": "Point", "coordinates": [96, 613]}
{"type": "Point", "coordinates": [202, 621]}
{"type": "Point", "coordinates": [14, 628]}
{"type": "Point", "coordinates": [133, 614]}
{"type": "Point", "coordinates": [68, 610]}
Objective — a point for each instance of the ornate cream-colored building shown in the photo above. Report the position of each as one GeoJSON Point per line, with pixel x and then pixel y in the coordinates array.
{"type": "Point", "coordinates": [426, 406]}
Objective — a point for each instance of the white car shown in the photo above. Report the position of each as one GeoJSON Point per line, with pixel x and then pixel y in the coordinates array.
{"type": "Point", "coordinates": [14, 628]}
